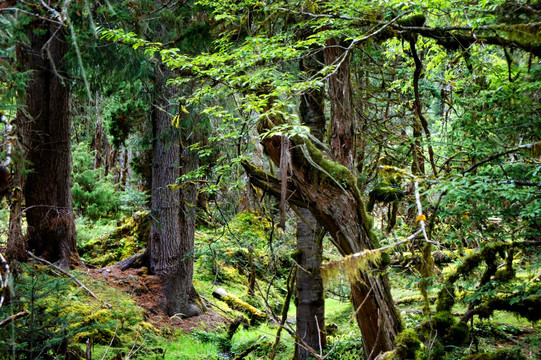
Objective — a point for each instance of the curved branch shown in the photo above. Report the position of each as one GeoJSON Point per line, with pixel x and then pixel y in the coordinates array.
{"type": "Point", "coordinates": [500, 154]}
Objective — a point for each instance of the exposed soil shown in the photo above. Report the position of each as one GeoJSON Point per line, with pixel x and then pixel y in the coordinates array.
{"type": "Point", "coordinates": [145, 290]}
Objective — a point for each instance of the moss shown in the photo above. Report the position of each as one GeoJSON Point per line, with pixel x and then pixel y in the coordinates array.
{"type": "Point", "coordinates": [387, 193]}
{"type": "Point", "coordinates": [407, 345]}
{"type": "Point", "coordinates": [384, 261]}
{"type": "Point", "coordinates": [130, 236]}
{"type": "Point", "coordinates": [389, 355]}
{"type": "Point", "coordinates": [99, 335]}
{"type": "Point", "coordinates": [446, 298]}
{"type": "Point", "coordinates": [442, 321]}
{"type": "Point", "coordinates": [338, 173]}
{"type": "Point", "coordinates": [417, 19]}
{"type": "Point", "coordinates": [256, 316]}
{"type": "Point", "coordinates": [457, 335]}
{"type": "Point", "coordinates": [504, 354]}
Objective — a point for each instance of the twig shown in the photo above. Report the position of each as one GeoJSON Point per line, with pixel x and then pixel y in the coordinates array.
{"type": "Point", "coordinates": [132, 352]}
{"type": "Point", "coordinates": [13, 317]}
{"type": "Point", "coordinates": [64, 272]}
{"type": "Point", "coordinates": [110, 343]}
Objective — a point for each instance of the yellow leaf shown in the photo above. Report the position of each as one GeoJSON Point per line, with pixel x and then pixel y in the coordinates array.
{"type": "Point", "coordinates": [184, 109]}
{"type": "Point", "coordinates": [176, 121]}
{"type": "Point", "coordinates": [420, 218]}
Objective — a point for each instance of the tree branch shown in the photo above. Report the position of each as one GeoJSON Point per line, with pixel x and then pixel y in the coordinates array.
{"type": "Point", "coordinates": [64, 272]}
{"type": "Point", "coordinates": [13, 317]}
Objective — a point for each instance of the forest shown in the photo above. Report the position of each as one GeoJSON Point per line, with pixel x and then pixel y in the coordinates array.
{"type": "Point", "coordinates": [279, 179]}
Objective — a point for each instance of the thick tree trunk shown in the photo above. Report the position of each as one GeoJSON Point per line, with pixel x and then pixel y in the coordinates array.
{"type": "Point", "coordinates": [172, 232]}
{"type": "Point", "coordinates": [46, 138]}
{"type": "Point", "coordinates": [340, 210]}
{"type": "Point", "coordinates": [342, 111]}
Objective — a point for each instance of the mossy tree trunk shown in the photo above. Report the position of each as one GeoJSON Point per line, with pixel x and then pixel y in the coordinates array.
{"type": "Point", "coordinates": [46, 139]}
{"type": "Point", "coordinates": [376, 315]}
{"type": "Point", "coordinates": [173, 227]}
{"type": "Point", "coordinates": [329, 190]}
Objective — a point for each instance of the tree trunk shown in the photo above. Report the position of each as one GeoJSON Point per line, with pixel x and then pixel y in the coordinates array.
{"type": "Point", "coordinates": [310, 295]}
{"type": "Point", "coordinates": [16, 245]}
{"type": "Point", "coordinates": [376, 314]}
{"type": "Point", "coordinates": [342, 112]}
{"type": "Point", "coordinates": [330, 190]}
{"type": "Point", "coordinates": [173, 213]}
{"type": "Point", "coordinates": [46, 138]}
{"type": "Point", "coordinates": [310, 301]}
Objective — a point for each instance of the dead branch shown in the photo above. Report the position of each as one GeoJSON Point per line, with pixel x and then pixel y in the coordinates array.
{"type": "Point", "coordinates": [13, 317]}
{"type": "Point", "coordinates": [64, 272]}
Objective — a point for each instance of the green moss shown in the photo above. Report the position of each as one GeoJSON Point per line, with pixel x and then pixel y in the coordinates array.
{"type": "Point", "coordinates": [101, 335]}
{"type": "Point", "coordinates": [387, 193]}
{"type": "Point", "coordinates": [339, 174]}
{"type": "Point", "coordinates": [407, 345]}
{"type": "Point", "coordinates": [256, 316]}
{"type": "Point", "coordinates": [457, 335]}
{"type": "Point", "coordinates": [130, 236]}
{"type": "Point", "coordinates": [446, 298]}
{"type": "Point", "coordinates": [504, 354]}
{"type": "Point", "coordinates": [384, 261]}
{"type": "Point", "coordinates": [417, 19]}
{"type": "Point", "coordinates": [442, 321]}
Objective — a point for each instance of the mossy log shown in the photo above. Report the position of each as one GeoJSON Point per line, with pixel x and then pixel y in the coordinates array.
{"type": "Point", "coordinates": [255, 315]}
{"type": "Point", "coordinates": [128, 238]}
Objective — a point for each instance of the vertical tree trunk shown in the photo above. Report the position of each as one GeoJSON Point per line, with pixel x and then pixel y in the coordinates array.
{"type": "Point", "coordinates": [16, 245]}
{"type": "Point", "coordinates": [310, 293]}
{"type": "Point", "coordinates": [46, 138]}
{"type": "Point", "coordinates": [342, 112]}
{"type": "Point", "coordinates": [173, 212]}
{"type": "Point", "coordinates": [330, 189]}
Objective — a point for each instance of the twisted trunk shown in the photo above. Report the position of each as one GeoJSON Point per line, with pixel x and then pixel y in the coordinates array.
{"type": "Point", "coordinates": [329, 190]}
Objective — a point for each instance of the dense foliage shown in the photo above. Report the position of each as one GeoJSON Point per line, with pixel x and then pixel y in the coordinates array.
{"type": "Point", "coordinates": [443, 103]}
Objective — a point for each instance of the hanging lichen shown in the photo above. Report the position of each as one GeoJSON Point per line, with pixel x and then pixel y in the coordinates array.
{"type": "Point", "coordinates": [351, 265]}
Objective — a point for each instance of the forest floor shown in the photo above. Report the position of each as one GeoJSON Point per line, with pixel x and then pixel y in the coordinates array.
{"type": "Point", "coordinates": [143, 288]}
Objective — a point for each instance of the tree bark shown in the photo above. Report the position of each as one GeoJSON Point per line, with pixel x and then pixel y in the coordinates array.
{"type": "Point", "coordinates": [310, 294]}
{"type": "Point", "coordinates": [342, 112]}
{"type": "Point", "coordinates": [46, 138]}
{"type": "Point", "coordinates": [310, 301]}
{"type": "Point", "coordinates": [173, 211]}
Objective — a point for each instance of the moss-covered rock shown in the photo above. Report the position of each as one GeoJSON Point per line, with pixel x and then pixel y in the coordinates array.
{"type": "Point", "coordinates": [407, 345]}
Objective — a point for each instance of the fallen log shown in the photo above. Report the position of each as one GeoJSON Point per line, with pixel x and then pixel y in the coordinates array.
{"type": "Point", "coordinates": [255, 315]}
